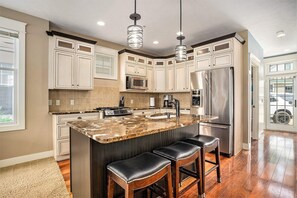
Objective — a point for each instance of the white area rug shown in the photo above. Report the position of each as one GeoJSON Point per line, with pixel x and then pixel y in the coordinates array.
{"type": "Point", "coordinates": [40, 178]}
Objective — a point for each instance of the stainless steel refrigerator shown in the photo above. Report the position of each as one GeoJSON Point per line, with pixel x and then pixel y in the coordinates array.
{"type": "Point", "coordinates": [212, 94]}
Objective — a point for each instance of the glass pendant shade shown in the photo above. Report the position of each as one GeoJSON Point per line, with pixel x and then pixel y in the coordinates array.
{"type": "Point", "coordinates": [135, 36]}
{"type": "Point", "coordinates": [181, 53]}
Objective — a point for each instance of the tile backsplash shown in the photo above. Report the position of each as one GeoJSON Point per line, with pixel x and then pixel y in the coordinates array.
{"type": "Point", "coordinates": [106, 97]}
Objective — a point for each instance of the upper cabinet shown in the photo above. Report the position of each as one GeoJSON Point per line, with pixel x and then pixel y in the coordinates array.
{"type": "Point", "coordinates": [71, 64]}
{"type": "Point", "coordinates": [217, 54]}
{"type": "Point", "coordinates": [106, 63]}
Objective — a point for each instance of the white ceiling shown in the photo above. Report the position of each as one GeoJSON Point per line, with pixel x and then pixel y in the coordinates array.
{"type": "Point", "coordinates": [203, 20]}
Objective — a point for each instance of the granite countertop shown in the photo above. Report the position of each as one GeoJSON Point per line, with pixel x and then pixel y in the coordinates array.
{"type": "Point", "coordinates": [116, 129]}
{"type": "Point", "coordinates": [62, 112]}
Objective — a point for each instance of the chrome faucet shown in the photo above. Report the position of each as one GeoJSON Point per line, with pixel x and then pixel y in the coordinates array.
{"type": "Point", "coordinates": [176, 104]}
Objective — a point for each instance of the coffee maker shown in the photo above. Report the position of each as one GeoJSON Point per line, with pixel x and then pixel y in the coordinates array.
{"type": "Point", "coordinates": [167, 100]}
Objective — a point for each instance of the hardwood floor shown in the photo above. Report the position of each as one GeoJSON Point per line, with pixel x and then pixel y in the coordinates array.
{"type": "Point", "coordinates": [268, 170]}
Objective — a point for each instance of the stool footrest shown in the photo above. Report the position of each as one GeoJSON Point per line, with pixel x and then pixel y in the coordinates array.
{"type": "Point", "coordinates": [188, 172]}
{"type": "Point", "coordinates": [211, 169]}
{"type": "Point", "coordinates": [158, 190]}
{"type": "Point", "coordinates": [211, 162]}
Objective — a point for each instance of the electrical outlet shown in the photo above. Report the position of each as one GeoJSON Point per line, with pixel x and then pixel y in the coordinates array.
{"type": "Point", "coordinates": [50, 102]}
{"type": "Point", "coordinates": [58, 102]}
{"type": "Point", "coordinates": [131, 101]}
{"type": "Point", "coordinates": [71, 102]}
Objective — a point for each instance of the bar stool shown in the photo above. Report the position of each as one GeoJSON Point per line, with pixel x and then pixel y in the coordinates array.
{"type": "Point", "coordinates": [182, 154]}
{"type": "Point", "coordinates": [207, 144]}
{"type": "Point", "coordinates": [139, 172]}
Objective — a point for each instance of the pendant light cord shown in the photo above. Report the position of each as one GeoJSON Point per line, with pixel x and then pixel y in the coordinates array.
{"type": "Point", "coordinates": [134, 11]}
{"type": "Point", "coordinates": [180, 20]}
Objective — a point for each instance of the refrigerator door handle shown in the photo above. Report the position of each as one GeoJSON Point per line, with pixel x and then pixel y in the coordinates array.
{"type": "Point", "coordinates": [214, 126]}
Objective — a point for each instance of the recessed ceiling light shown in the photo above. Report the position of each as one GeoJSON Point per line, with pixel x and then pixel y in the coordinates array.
{"type": "Point", "coordinates": [280, 34]}
{"type": "Point", "coordinates": [179, 33]}
{"type": "Point", "coordinates": [287, 50]}
{"type": "Point", "coordinates": [101, 23]}
{"type": "Point", "coordinates": [156, 42]}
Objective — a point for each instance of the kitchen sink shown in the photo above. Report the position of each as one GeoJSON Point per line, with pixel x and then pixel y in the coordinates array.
{"type": "Point", "coordinates": [160, 116]}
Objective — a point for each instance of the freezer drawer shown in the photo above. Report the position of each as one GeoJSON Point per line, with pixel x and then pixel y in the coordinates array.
{"type": "Point", "coordinates": [223, 132]}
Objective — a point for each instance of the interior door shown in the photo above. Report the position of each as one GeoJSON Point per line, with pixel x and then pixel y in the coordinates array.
{"type": "Point", "coordinates": [281, 103]}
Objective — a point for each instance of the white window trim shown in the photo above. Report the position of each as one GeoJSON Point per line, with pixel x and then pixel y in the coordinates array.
{"type": "Point", "coordinates": [108, 52]}
{"type": "Point", "coordinates": [19, 27]}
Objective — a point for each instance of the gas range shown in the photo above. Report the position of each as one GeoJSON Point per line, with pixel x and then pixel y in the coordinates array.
{"type": "Point", "coordinates": [115, 111]}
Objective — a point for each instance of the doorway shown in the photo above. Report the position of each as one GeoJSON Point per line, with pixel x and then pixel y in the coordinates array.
{"type": "Point", "coordinates": [281, 102]}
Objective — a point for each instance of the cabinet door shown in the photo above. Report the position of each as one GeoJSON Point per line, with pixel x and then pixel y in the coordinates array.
{"type": "Point", "coordinates": [203, 62]}
{"type": "Point", "coordinates": [160, 79]}
{"type": "Point", "coordinates": [141, 60]}
{"type": "Point", "coordinates": [64, 68]}
{"type": "Point", "coordinates": [65, 44]}
{"type": "Point", "coordinates": [222, 46]}
{"type": "Point", "coordinates": [63, 147]}
{"type": "Point", "coordinates": [223, 60]}
{"type": "Point", "coordinates": [181, 77]}
{"type": "Point", "coordinates": [191, 68]}
{"type": "Point", "coordinates": [203, 51]}
{"type": "Point", "coordinates": [159, 63]}
{"type": "Point", "coordinates": [150, 78]}
{"type": "Point", "coordinates": [63, 132]}
{"type": "Point", "coordinates": [170, 62]}
{"type": "Point", "coordinates": [130, 69]}
{"type": "Point", "coordinates": [149, 62]}
{"type": "Point", "coordinates": [170, 79]}
{"type": "Point", "coordinates": [84, 48]}
{"type": "Point", "coordinates": [141, 70]}
{"type": "Point", "coordinates": [131, 58]}
{"type": "Point", "coordinates": [84, 65]}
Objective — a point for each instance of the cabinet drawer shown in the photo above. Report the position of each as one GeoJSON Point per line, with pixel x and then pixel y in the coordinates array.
{"type": "Point", "coordinates": [63, 132]}
{"type": "Point", "coordinates": [63, 147]}
{"type": "Point", "coordinates": [66, 118]}
{"type": "Point", "coordinates": [65, 44]}
{"type": "Point", "coordinates": [223, 60]}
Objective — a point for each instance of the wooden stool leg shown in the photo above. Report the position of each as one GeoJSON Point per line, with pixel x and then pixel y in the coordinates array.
{"type": "Point", "coordinates": [110, 187]}
{"type": "Point", "coordinates": [203, 170]}
{"type": "Point", "coordinates": [217, 151]}
{"type": "Point", "coordinates": [176, 180]}
{"type": "Point", "coordinates": [169, 183]}
{"type": "Point", "coordinates": [199, 172]}
{"type": "Point", "coordinates": [129, 193]}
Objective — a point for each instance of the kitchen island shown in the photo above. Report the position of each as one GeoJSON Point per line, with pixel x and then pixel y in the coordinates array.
{"type": "Point", "coordinates": [96, 143]}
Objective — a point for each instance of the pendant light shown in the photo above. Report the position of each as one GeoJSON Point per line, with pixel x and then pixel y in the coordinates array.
{"type": "Point", "coordinates": [180, 50]}
{"type": "Point", "coordinates": [135, 32]}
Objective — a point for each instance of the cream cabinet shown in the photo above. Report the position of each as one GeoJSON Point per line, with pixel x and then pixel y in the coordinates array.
{"type": "Point", "coordinates": [191, 68]}
{"type": "Point", "coordinates": [71, 64]}
{"type": "Point", "coordinates": [181, 76]}
{"type": "Point", "coordinates": [170, 79]}
{"type": "Point", "coordinates": [218, 54]}
{"type": "Point", "coordinates": [134, 69]}
{"type": "Point", "coordinates": [61, 132]}
{"type": "Point", "coordinates": [160, 80]}
{"type": "Point", "coordinates": [150, 79]}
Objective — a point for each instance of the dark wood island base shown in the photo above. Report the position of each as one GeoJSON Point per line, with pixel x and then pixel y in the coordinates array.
{"type": "Point", "coordinates": [89, 158]}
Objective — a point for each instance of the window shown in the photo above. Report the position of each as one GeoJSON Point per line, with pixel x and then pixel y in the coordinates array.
{"type": "Point", "coordinates": [280, 67]}
{"type": "Point", "coordinates": [106, 63]}
{"type": "Point", "coordinates": [12, 75]}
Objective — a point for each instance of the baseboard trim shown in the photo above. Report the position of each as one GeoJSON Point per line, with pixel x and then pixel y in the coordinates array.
{"type": "Point", "coordinates": [25, 158]}
{"type": "Point", "coordinates": [246, 146]}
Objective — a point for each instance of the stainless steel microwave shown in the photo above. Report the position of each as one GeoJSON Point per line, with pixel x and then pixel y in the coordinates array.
{"type": "Point", "coordinates": [133, 82]}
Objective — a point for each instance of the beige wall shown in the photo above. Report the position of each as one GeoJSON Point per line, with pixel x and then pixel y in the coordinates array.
{"type": "Point", "coordinates": [37, 137]}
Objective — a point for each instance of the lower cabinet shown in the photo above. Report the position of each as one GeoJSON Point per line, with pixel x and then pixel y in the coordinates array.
{"type": "Point", "coordinates": [61, 132]}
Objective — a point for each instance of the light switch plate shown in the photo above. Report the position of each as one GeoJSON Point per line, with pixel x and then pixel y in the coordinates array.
{"type": "Point", "coordinates": [71, 102]}
{"type": "Point", "coordinates": [50, 102]}
{"type": "Point", "coordinates": [58, 102]}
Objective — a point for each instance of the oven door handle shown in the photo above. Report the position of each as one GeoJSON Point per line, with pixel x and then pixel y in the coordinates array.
{"type": "Point", "coordinates": [214, 126]}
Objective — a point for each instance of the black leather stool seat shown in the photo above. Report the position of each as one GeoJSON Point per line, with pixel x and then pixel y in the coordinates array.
{"type": "Point", "coordinates": [177, 151]}
{"type": "Point", "coordinates": [202, 140]}
{"type": "Point", "coordinates": [138, 167]}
